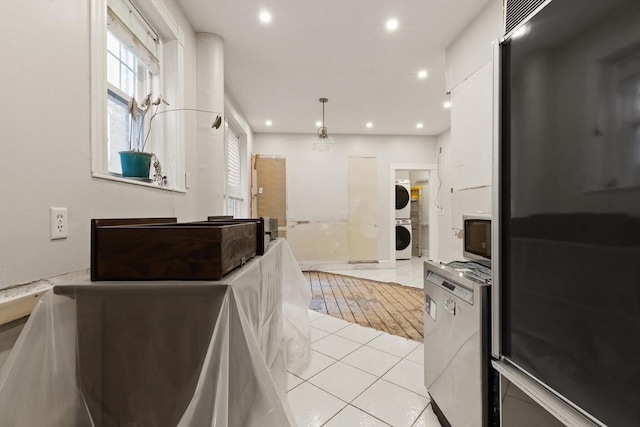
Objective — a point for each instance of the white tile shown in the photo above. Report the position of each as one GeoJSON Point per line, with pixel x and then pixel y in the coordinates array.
{"type": "Point", "coordinates": [392, 344]}
{"type": "Point", "coordinates": [414, 280]}
{"type": "Point", "coordinates": [318, 362]}
{"type": "Point", "coordinates": [311, 406]}
{"type": "Point", "coordinates": [343, 381]}
{"type": "Point", "coordinates": [317, 334]}
{"type": "Point", "coordinates": [409, 375]}
{"type": "Point", "coordinates": [382, 275]}
{"type": "Point", "coordinates": [358, 333]}
{"type": "Point", "coordinates": [313, 315]}
{"type": "Point", "coordinates": [390, 403]}
{"type": "Point", "coordinates": [351, 416]}
{"type": "Point", "coordinates": [369, 359]}
{"type": "Point", "coordinates": [335, 346]}
{"type": "Point", "coordinates": [417, 355]}
{"type": "Point", "coordinates": [427, 419]}
{"type": "Point", "coordinates": [329, 324]}
{"type": "Point", "coordinates": [293, 381]}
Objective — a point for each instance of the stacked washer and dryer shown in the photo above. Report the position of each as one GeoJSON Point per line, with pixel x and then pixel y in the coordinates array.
{"type": "Point", "coordinates": [403, 219]}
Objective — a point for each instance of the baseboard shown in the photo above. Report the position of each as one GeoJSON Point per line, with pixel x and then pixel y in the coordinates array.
{"type": "Point", "coordinates": [19, 300]}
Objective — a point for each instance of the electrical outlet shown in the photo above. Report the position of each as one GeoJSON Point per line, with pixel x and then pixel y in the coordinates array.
{"type": "Point", "coordinates": [58, 223]}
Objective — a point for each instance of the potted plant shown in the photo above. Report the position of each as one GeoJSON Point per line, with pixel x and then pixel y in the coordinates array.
{"type": "Point", "coordinates": [136, 162]}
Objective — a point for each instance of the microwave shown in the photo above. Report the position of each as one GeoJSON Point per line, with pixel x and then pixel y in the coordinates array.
{"type": "Point", "coordinates": [477, 237]}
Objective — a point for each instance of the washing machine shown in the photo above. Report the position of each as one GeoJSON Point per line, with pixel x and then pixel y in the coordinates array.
{"type": "Point", "coordinates": [403, 239]}
{"type": "Point", "coordinates": [403, 199]}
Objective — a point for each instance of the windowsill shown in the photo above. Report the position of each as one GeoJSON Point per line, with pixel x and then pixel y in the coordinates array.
{"type": "Point", "coordinates": [116, 178]}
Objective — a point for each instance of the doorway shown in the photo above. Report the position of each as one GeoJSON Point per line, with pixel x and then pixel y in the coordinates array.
{"type": "Point", "coordinates": [271, 179]}
{"type": "Point", "coordinates": [429, 185]}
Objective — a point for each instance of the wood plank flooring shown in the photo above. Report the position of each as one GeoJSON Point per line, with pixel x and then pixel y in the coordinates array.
{"type": "Point", "coordinates": [387, 307]}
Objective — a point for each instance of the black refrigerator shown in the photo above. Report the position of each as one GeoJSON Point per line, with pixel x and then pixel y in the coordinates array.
{"type": "Point", "coordinates": [568, 191]}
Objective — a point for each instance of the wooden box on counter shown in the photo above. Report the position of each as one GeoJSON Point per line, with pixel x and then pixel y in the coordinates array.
{"type": "Point", "coordinates": [261, 242]}
{"type": "Point", "coordinates": [163, 249]}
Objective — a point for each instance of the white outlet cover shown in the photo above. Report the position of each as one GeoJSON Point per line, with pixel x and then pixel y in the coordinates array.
{"type": "Point", "coordinates": [58, 222]}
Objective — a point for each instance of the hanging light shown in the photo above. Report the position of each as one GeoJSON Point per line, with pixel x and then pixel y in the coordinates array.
{"type": "Point", "coordinates": [323, 142]}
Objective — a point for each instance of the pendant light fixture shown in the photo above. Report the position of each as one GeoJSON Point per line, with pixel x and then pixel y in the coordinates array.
{"type": "Point", "coordinates": [323, 142]}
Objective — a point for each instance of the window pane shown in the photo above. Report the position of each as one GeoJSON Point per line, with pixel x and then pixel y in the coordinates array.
{"type": "Point", "coordinates": [128, 58]}
{"type": "Point", "coordinates": [128, 84]}
{"type": "Point", "coordinates": [118, 130]}
{"type": "Point", "coordinates": [118, 124]}
{"type": "Point", "coordinates": [113, 45]}
{"type": "Point", "coordinates": [143, 77]}
{"type": "Point", "coordinates": [234, 181]}
{"type": "Point", "coordinates": [113, 70]}
{"type": "Point", "coordinates": [129, 77]}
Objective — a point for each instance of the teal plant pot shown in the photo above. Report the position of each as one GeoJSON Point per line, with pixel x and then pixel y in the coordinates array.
{"type": "Point", "coordinates": [135, 164]}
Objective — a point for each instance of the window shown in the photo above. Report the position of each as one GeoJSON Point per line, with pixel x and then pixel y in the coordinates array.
{"type": "Point", "coordinates": [127, 62]}
{"type": "Point", "coordinates": [127, 77]}
{"type": "Point", "coordinates": [235, 201]}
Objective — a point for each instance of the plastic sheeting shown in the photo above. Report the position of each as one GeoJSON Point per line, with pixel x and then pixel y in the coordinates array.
{"type": "Point", "coordinates": [190, 354]}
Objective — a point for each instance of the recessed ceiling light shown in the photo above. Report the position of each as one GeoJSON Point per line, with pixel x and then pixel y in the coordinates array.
{"type": "Point", "coordinates": [392, 24]}
{"type": "Point", "coordinates": [419, 125]}
{"type": "Point", "coordinates": [422, 74]}
{"type": "Point", "coordinates": [447, 104]}
{"type": "Point", "coordinates": [268, 123]}
{"type": "Point", "coordinates": [318, 123]}
{"type": "Point", "coordinates": [369, 124]}
{"type": "Point", "coordinates": [265, 16]}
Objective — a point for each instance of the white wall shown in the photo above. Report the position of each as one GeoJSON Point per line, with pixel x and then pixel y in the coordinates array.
{"type": "Point", "coordinates": [317, 189]}
{"type": "Point", "coordinates": [443, 197]}
{"type": "Point", "coordinates": [471, 50]}
{"type": "Point", "coordinates": [45, 141]}
{"type": "Point", "coordinates": [468, 153]}
{"type": "Point", "coordinates": [210, 145]}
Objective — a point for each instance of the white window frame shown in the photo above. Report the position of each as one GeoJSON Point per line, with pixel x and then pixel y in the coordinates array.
{"type": "Point", "coordinates": [167, 140]}
{"type": "Point", "coordinates": [232, 155]}
{"type": "Point", "coordinates": [232, 150]}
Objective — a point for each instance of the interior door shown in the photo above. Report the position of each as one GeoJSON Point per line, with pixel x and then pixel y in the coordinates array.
{"type": "Point", "coordinates": [272, 190]}
{"type": "Point", "coordinates": [363, 209]}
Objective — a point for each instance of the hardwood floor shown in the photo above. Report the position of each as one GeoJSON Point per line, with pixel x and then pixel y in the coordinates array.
{"type": "Point", "coordinates": [387, 307]}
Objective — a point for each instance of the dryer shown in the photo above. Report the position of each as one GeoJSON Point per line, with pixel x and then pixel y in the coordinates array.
{"type": "Point", "coordinates": [403, 198]}
{"type": "Point", "coordinates": [403, 239]}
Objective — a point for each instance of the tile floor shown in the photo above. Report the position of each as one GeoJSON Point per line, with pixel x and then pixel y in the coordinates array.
{"type": "Point", "coordinates": [359, 376]}
{"type": "Point", "coordinates": [407, 272]}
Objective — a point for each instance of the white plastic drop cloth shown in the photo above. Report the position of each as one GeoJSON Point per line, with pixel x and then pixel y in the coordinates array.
{"type": "Point", "coordinates": [188, 354]}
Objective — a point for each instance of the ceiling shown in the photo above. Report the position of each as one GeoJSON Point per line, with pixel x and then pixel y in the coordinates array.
{"type": "Point", "coordinates": [340, 50]}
